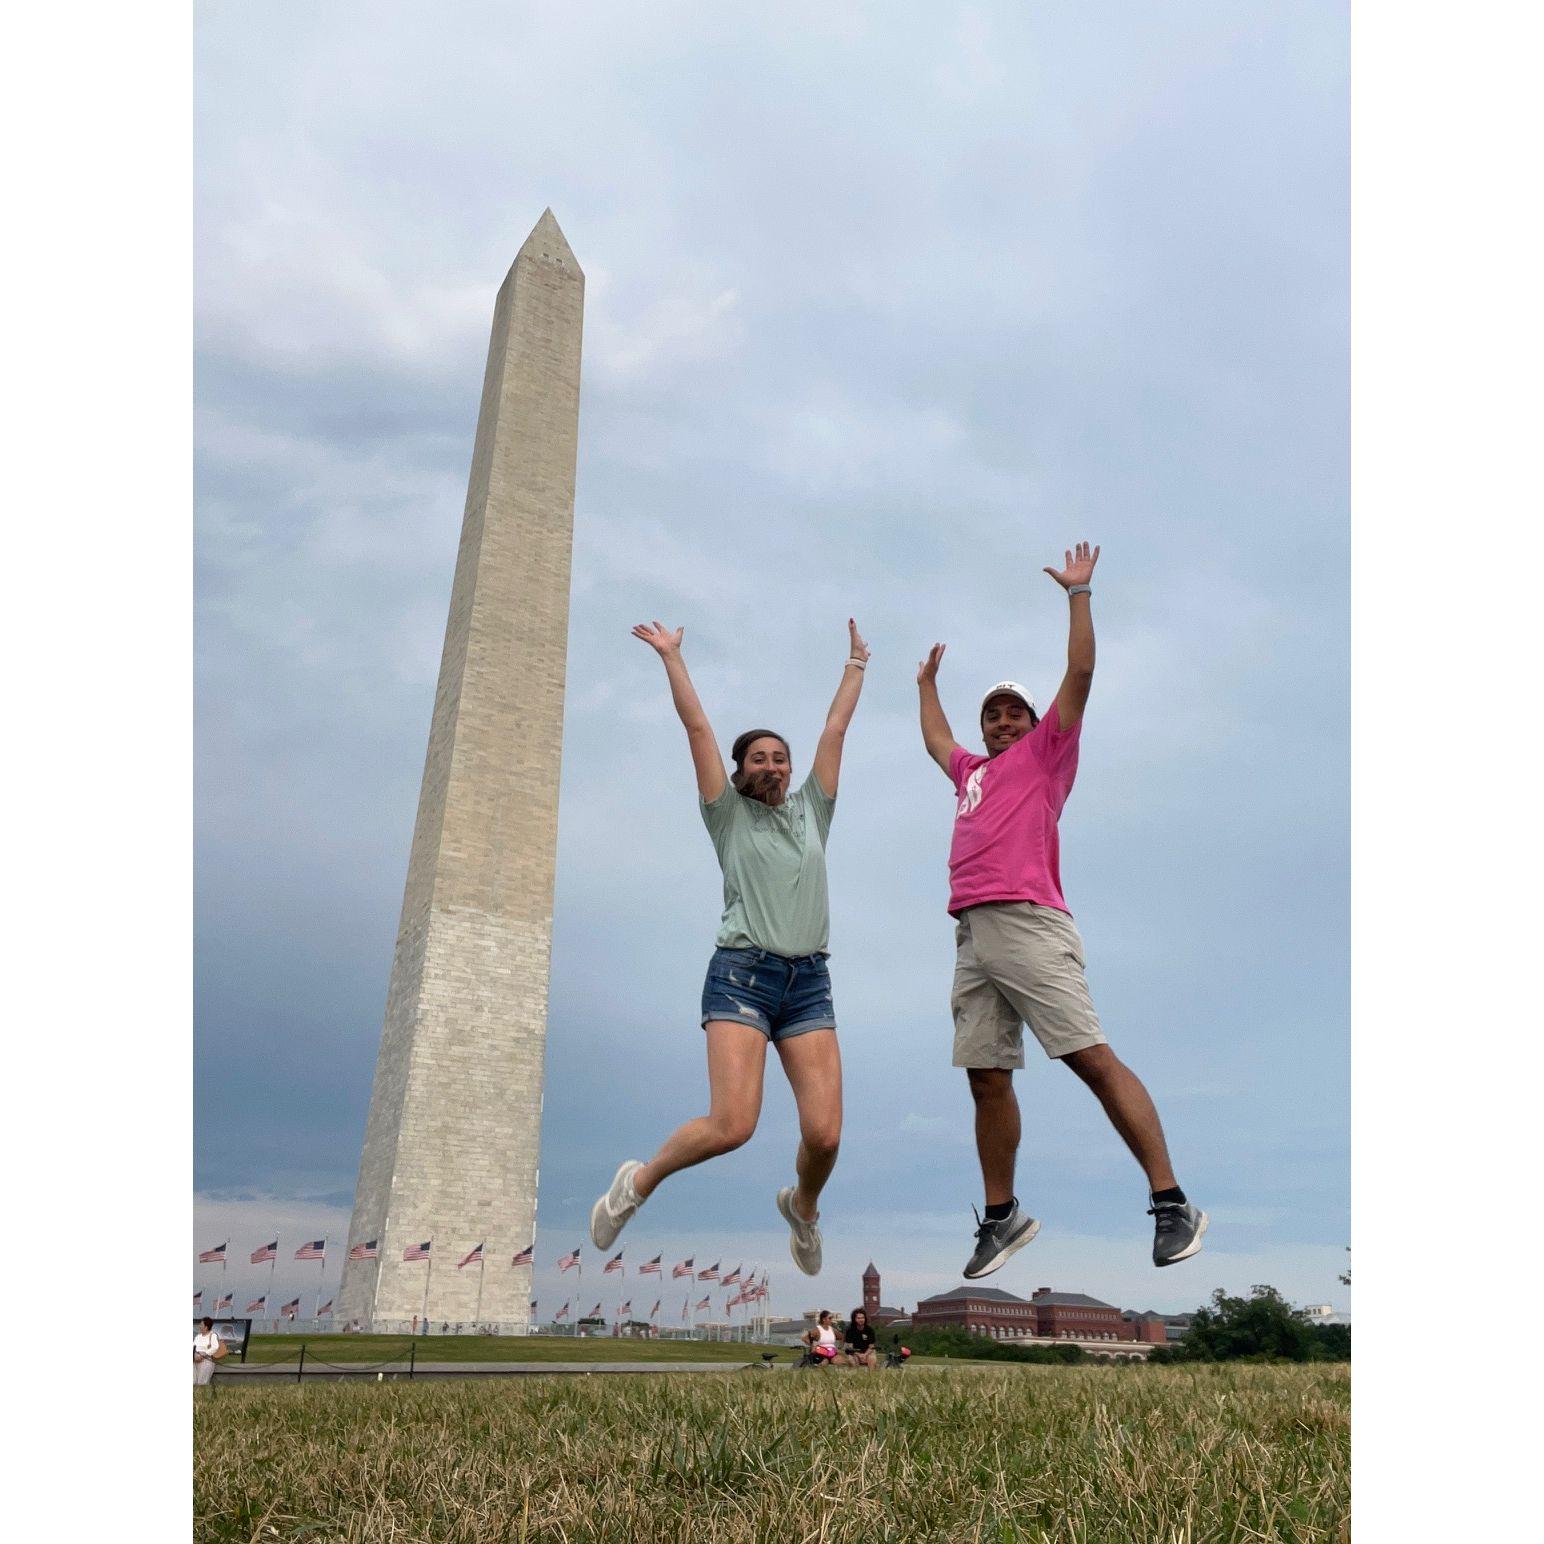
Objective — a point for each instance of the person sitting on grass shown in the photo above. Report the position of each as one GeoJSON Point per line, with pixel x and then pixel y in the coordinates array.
{"type": "Point", "coordinates": [859, 1341]}
{"type": "Point", "coordinates": [820, 1340]}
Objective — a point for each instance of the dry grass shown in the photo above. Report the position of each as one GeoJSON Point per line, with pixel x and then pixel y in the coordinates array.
{"type": "Point", "coordinates": [1052, 1455]}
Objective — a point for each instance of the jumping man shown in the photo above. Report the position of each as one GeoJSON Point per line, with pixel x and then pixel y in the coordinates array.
{"type": "Point", "coordinates": [1019, 958]}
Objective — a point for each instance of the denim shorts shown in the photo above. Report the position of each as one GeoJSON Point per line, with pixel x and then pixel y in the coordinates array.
{"type": "Point", "coordinates": [779, 996]}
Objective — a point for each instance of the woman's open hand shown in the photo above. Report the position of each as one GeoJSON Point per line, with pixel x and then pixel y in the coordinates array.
{"type": "Point", "coordinates": [660, 638]}
{"type": "Point", "coordinates": [856, 647]}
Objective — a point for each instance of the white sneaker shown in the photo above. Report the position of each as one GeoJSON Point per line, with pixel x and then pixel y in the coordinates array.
{"type": "Point", "coordinates": [803, 1237]}
{"type": "Point", "coordinates": [616, 1208]}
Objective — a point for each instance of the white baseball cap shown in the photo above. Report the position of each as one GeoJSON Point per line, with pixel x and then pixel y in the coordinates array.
{"type": "Point", "coordinates": [1012, 689]}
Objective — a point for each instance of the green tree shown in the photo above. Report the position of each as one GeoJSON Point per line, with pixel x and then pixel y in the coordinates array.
{"type": "Point", "coordinates": [1263, 1325]}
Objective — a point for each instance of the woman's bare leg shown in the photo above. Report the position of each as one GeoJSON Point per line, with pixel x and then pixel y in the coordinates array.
{"type": "Point", "coordinates": [737, 1059]}
{"type": "Point", "coordinates": [814, 1067]}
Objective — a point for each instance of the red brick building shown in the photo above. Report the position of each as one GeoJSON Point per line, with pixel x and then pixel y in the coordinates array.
{"type": "Point", "coordinates": [1047, 1315]}
{"type": "Point", "coordinates": [878, 1314]}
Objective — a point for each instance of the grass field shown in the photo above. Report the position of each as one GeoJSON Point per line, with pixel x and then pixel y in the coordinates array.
{"type": "Point", "coordinates": [351, 1349]}
{"type": "Point", "coordinates": [1054, 1455]}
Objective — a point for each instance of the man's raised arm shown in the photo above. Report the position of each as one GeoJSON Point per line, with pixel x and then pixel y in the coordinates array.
{"type": "Point", "coordinates": [1072, 694]}
{"type": "Point", "coordinates": [936, 733]}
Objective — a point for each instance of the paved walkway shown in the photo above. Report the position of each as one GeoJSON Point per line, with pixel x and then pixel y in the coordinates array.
{"type": "Point", "coordinates": [316, 1367]}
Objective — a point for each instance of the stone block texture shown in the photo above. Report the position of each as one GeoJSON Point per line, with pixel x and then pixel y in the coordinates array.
{"type": "Point", "coordinates": [451, 1142]}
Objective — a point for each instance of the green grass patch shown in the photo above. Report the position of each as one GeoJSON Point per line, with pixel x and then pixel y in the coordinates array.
{"type": "Point", "coordinates": [1037, 1454]}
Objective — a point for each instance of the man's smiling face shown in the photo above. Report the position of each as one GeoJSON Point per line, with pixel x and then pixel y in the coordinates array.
{"type": "Point", "coordinates": [1004, 720]}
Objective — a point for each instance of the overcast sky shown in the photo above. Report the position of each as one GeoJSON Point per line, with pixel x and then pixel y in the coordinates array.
{"type": "Point", "coordinates": [886, 306]}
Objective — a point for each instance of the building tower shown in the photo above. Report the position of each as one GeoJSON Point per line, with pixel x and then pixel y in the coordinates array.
{"type": "Point", "coordinates": [451, 1142]}
{"type": "Point", "coordinates": [871, 1292]}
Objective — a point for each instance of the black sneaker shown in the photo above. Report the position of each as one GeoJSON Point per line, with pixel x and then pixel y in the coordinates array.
{"type": "Point", "coordinates": [1177, 1231]}
{"type": "Point", "coordinates": [995, 1241]}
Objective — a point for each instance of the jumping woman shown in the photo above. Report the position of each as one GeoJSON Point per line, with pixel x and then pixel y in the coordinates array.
{"type": "Point", "coordinates": [767, 982]}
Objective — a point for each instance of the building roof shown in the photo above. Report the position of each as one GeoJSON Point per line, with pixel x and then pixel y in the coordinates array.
{"type": "Point", "coordinates": [1069, 1300]}
{"type": "Point", "coordinates": [871, 1274]}
{"type": "Point", "coordinates": [985, 1294]}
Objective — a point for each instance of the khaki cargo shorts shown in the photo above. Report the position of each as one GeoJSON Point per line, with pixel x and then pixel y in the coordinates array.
{"type": "Point", "coordinates": [1017, 963]}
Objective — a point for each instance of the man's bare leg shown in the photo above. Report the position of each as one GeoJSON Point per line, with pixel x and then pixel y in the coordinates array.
{"type": "Point", "coordinates": [997, 1130]}
{"type": "Point", "coordinates": [1130, 1108]}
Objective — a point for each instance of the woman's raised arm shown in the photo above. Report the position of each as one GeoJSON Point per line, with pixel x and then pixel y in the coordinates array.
{"type": "Point", "coordinates": [828, 751]}
{"type": "Point", "coordinates": [706, 759]}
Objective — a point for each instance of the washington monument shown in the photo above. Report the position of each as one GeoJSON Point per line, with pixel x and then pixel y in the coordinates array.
{"type": "Point", "coordinates": [451, 1144]}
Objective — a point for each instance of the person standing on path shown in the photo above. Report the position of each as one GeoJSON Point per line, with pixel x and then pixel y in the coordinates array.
{"type": "Point", "coordinates": [767, 982]}
{"type": "Point", "coordinates": [1019, 957]}
{"type": "Point", "coordinates": [208, 1349]}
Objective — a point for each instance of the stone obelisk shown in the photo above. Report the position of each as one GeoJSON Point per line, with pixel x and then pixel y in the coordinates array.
{"type": "Point", "coordinates": [451, 1143]}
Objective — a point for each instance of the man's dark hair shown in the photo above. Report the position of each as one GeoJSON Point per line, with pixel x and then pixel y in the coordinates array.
{"type": "Point", "coordinates": [742, 745]}
{"type": "Point", "coordinates": [207, 1323]}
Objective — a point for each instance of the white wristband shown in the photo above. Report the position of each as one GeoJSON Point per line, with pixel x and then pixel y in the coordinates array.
{"type": "Point", "coordinates": [1079, 589]}
{"type": "Point", "coordinates": [862, 664]}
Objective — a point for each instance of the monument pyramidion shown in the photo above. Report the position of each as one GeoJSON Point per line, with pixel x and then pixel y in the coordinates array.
{"type": "Point", "coordinates": [451, 1143]}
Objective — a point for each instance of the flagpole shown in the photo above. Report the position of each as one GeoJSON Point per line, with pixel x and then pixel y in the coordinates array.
{"type": "Point", "coordinates": [273, 1266]}
{"type": "Point", "coordinates": [427, 1274]}
{"type": "Point", "coordinates": [319, 1275]}
{"type": "Point", "coordinates": [482, 1266]}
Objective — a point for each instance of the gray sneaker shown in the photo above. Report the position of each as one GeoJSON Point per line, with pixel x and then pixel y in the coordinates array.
{"type": "Point", "coordinates": [995, 1241]}
{"type": "Point", "coordinates": [803, 1237]}
{"type": "Point", "coordinates": [1177, 1231]}
{"type": "Point", "coordinates": [616, 1208]}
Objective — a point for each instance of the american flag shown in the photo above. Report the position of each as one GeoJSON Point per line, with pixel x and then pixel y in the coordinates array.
{"type": "Point", "coordinates": [474, 1258]}
{"type": "Point", "coordinates": [707, 1302]}
{"type": "Point", "coordinates": [731, 1278]}
{"type": "Point", "coordinates": [224, 1305]}
{"type": "Point", "coordinates": [710, 1274]}
{"type": "Point", "coordinates": [569, 1261]}
{"type": "Point", "coordinates": [417, 1251]}
{"type": "Point", "coordinates": [325, 1309]}
{"type": "Point", "coordinates": [683, 1269]}
{"type": "Point", "coordinates": [213, 1256]}
{"type": "Point", "coordinates": [562, 1313]}
{"type": "Point", "coordinates": [625, 1309]}
{"type": "Point", "coordinates": [527, 1256]}
{"type": "Point", "coordinates": [258, 1305]}
{"type": "Point", "coordinates": [267, 1252]}
{"type": "Point", "coordinates": [290, 1309]}
{"type": "Point", "coordinates": [614, 1263]}
{"type": "Point", "coordinates": [364, 1251]}
{"type": "Point", "coordinates": [651, 1267]}
{"type": "Point", "coordinates": [315, 1250]}
{"type": "Point", "coordinates": [594, 1313]}
{"type": "Point", "coordinates": [198, 1301]}
{"type": "Point", "coordinates": [654, 1311]}
{"type": "Point", "coordinates": [533, 1307]}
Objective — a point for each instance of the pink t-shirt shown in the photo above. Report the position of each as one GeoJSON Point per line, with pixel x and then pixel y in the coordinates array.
{"type": "Point", "coordinates": [1005, 845]}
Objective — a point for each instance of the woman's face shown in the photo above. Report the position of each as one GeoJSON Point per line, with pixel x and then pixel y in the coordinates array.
{"type": "Point", "coordinates": [825, 1319]}
{"type": "Point", "coordinates": [766, 770]}
{"type": "Point", "coordinates": [860, 1318]}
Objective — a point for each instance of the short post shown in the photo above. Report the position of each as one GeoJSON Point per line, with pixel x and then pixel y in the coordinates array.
{"type": "Point", "coordinates": [412, 1358]}
{"type": "Point", "coordinates": [301, 1369]}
